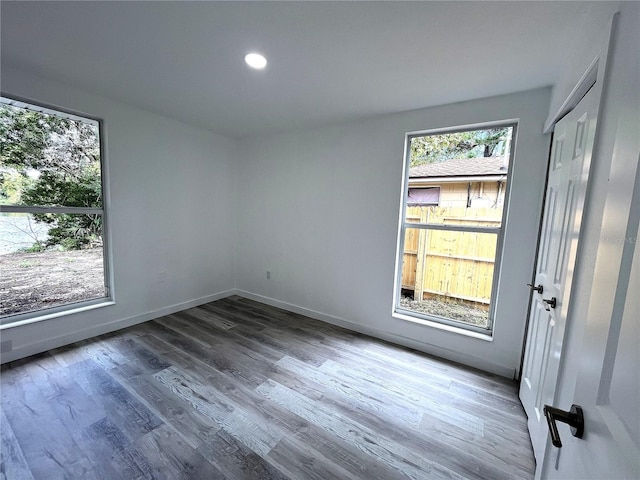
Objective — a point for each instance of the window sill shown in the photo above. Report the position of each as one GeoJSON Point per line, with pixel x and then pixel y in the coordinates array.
{"type": "Point", "coordinates": [33, 317]}
{"type": "Point", "coordinates": [487, 337]}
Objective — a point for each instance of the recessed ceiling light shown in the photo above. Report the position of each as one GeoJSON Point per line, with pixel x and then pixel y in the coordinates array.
{"type": "Point", "coordinates": [255, 60]}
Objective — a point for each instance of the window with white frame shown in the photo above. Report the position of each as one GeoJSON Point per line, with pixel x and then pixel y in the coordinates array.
{"type": "Point", "coordinates": [52, 212]}
{"type": "Point", "coordinates": [450, 238]}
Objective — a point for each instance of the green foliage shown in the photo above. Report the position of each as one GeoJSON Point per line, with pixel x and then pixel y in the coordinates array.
{"type": "Point", "coordinates": [53, 189]}
{"type": "Point", "coordinates": [12, 184]}
{"type": "Point", "coordinates": [24, 135]}
{"type": "Point", "coordinates": [72, 232]}
{"type": "Point", "coordinates": [38, 141]}
{"type": "Point", "coordinates": [35, 248]}
{"type": "Point", "coordinates": [46, 160]}
{"type": "Point", "coordinates": [470, 144]}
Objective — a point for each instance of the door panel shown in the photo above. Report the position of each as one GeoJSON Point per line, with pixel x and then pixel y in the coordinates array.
{"type": "Point", "coordinates": [565, 231]}
{"type": "Point", "coordinates": [548, 225]}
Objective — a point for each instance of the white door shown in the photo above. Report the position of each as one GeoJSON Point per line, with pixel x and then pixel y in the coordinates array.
{"type": "Point", "coordinates": [604, 358]}
{"type": "Point", "coordinates": [568, 176]}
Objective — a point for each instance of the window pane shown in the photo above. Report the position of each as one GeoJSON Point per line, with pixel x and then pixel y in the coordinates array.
{"type": "Point", "coordinates": [48, 160]}
{"type": "Point", "coordinates": [427, 196]}
{"type": "Point", "coordinates": [49, 260]}
{"type": "Point", "coordinates": [461, 170]}
{"type": "Point", "coordinates": [448, 274]}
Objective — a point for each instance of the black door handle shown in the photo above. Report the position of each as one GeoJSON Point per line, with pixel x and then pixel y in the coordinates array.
{"type": "Point", "coordinates": [550, 301]}
{"type": "Point", "coordinates": [574, 418]}
{"type": "Point", "coordinates": [538, 289]}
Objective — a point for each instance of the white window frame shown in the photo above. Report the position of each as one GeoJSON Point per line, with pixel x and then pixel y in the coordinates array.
{"type": "Point", "coordinates": [435, 320]}
{"type": "Point", "coordinates": [75, 307]}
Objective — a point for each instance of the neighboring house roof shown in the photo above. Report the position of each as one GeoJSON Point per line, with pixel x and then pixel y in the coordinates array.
{"type": "Point", "coordinates": [462, 167]}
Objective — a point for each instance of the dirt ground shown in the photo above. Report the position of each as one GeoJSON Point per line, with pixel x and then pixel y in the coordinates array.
{"type": "Point", "coordinates": [34, 281]}
{"type": "Point", "coordinates": [451, 309]}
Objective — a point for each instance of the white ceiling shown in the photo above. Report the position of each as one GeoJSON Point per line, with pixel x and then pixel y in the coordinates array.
{"type": "Point", "coordinates": [328, 61]}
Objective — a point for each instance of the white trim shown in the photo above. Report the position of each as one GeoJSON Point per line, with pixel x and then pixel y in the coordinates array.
{"type": "Point", "coordinates": [402, 215]}
{"type": "Point", "coordinates": [55, 342]}
{"type": "Point", "coordinates": [430, 349]}
{"type": "Point", "coordinates": [581, 88]}
{"type": "Point", "coordinates": [59, 210]}
{"type": "Point", "coordinates": [24, 318]}
{"type": "Point", "coordinates": [107, 255]}
{"type": "Point", "coordinates": [464, 128]}
{"type": "Point", "coordinates": [53, 110]}
{"type": "Point", "coordinates": [442, 326]}
{"type": "Point", "coordinates": [66, 309]}
{"type": "Point", "coordinates": [403, 225]}
{"type": "Point", "coordinates": [453, 228]}
{"type": "Point", "coordinates": [451, 355]}
{"type": "Point", "coordinates": [430, 181]}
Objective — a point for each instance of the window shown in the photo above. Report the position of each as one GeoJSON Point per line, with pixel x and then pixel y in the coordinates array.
{"type": "Point", "coordinates": [451, 230]}
{"type": "Point", "coordinates": [52, 216]}
{"type": "Point", "coordinates": [423, 196]}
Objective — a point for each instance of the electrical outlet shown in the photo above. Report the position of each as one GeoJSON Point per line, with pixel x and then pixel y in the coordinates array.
{"type": "Point", "coordinates": [268, 275]}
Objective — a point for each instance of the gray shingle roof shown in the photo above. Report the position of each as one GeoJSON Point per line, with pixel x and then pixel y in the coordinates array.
{"type": "Point", "coordinates": [461, 167]}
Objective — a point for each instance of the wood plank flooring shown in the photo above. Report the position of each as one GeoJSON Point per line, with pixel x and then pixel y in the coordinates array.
{"type": "Point", "coordinates": [239, 390]}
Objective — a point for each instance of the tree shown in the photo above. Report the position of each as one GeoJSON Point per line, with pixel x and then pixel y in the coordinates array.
{"type": "Point", "coordinates": [46, 160]}
{"type": "Point", "coordinates": [445, 146]}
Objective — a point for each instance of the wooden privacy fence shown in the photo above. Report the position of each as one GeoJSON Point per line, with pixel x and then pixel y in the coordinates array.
{"type": "Point", "coordinates": [450, 264]}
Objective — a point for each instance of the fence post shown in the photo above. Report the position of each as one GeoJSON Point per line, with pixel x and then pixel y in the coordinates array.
{"type": "Point", "coordinates": [418, 288]}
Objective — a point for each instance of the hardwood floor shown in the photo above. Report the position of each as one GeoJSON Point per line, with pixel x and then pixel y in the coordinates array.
{"type": "Point", "coordinates": [239, 390]}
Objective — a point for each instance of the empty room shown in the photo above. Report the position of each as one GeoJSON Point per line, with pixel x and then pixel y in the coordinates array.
{"type": "Point", "coordinates": [319, 240]}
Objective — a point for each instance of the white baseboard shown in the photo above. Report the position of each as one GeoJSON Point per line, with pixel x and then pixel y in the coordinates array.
{"type": "Point", "coordinates": [55, 342]}
{"type": "Point", "coordinates": [452, 355]}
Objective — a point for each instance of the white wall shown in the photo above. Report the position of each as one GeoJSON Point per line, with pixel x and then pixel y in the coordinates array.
{"type": "Point", "coordinates": [319, 209]}
{"type": "Point", "coordinates": [171, 210]}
